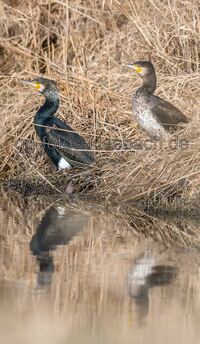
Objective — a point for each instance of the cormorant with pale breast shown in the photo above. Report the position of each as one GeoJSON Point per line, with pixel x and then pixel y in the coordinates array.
{"type": "Point", "coordinates": [155, 115]}
{"type": "Point", "coordinates": [62, 144]}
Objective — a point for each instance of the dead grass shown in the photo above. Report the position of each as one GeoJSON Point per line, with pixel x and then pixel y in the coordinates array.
{"type": "Point", "coordinates": [83, 45]}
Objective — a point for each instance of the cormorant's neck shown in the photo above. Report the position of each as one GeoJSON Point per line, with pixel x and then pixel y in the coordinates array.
{"type": "Point", "coordinates": [48, 109]}
{"type": "Point", "coordinates": [149, 82]}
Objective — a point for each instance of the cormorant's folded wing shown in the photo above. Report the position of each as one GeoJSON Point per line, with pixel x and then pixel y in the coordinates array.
{"type": "Point", "coordinates": [69, 144]}
{"type": "Point", "coordinates": [167, 114]}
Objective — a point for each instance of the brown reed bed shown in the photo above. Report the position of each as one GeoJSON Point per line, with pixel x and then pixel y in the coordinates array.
{"type": "Point", "coordinates": [83, 45]}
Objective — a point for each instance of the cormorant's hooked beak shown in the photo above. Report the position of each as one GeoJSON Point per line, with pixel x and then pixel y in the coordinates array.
{"type": "Point", "coordinates": [137, 68]}
{"type": "Point", "coordinates": [37, 85]}
{"type": "Point", "coordinates": [131, 66]}
{"type": "Point", "coordinates": [28, 82]}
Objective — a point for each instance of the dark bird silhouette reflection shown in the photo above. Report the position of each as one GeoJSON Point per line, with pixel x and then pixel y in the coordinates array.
{"type": "Point", "coordinates": [145, 274]}
{"type": "Point", "coordinates": [57, 227]}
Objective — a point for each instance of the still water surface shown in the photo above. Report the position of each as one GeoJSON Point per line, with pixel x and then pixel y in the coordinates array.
{"type": "Point", "coordinates": [74, 274]}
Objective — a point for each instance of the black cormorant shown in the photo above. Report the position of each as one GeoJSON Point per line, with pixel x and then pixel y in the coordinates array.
{"type": "Point", "coordinates": [155, 115]}
{"type": "Point", "coordinates": [62, 144]}
{"type": "Point", "coordinates": [58, 226]}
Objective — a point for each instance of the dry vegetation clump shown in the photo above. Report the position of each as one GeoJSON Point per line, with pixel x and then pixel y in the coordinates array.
{"type": "Point", "coordinates": [83, 45]}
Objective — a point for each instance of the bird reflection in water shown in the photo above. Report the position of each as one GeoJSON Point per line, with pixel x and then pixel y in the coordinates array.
{"type": "Point", "coordinates": [57, 227]}
{"type": "Point", "coordinates": [145, 274]}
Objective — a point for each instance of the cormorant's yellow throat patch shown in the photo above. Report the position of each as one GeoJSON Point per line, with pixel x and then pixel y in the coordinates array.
{"type": "Point", "coordinates": [38, 86]}
{"type": "Point", "coordinates": [138, 69]}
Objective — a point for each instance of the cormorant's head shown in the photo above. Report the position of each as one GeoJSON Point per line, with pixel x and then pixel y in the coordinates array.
{"type": "Point", "coordinates": [45, 86]}
{"type": "Point", "coordinates": [142, 68]}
